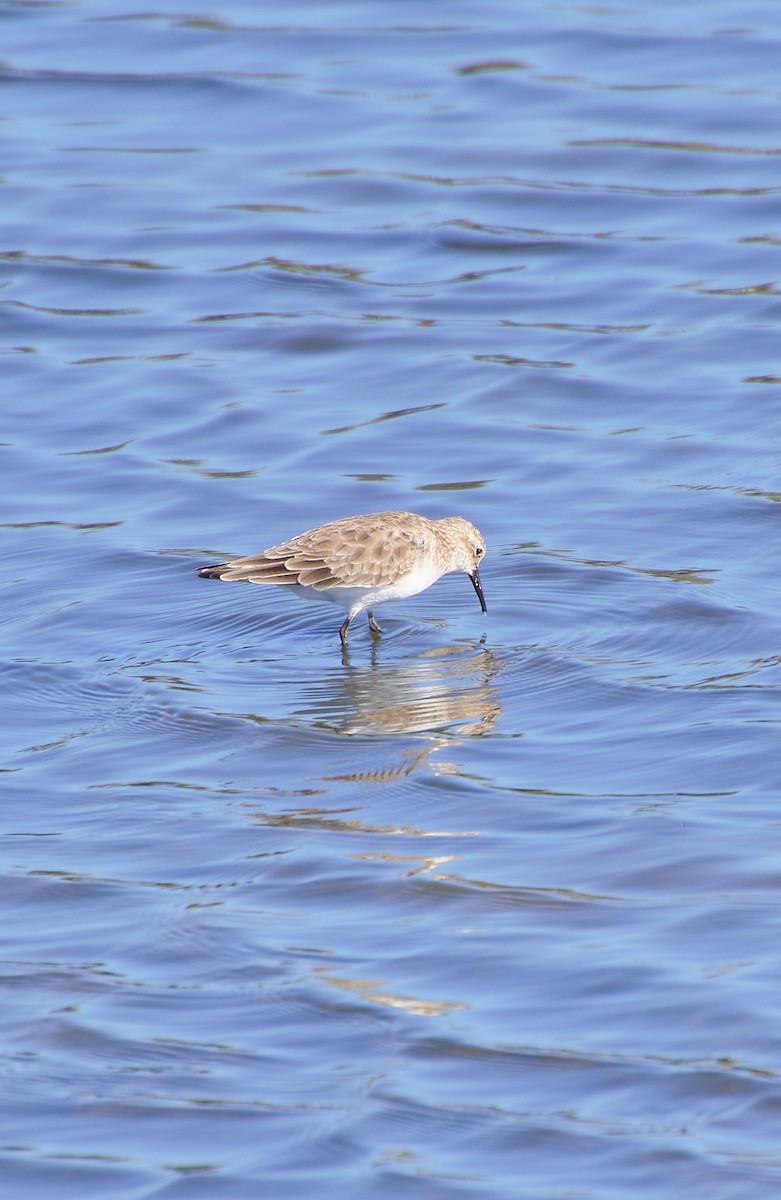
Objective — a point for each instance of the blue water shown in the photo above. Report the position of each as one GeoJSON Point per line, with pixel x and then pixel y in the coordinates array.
{"type": "Point", "coordinates": [491, 909]}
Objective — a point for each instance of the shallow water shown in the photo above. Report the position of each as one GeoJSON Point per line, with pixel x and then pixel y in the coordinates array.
{"type": "Point", "coordinates": [491, 909]}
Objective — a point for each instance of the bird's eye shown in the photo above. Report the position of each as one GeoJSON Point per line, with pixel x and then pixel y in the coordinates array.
{"type": "Point", "coordinates": [479, 551]}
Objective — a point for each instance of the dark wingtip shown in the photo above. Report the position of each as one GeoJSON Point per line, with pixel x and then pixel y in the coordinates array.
{"type": "Point", "coordinates": [214, 572]}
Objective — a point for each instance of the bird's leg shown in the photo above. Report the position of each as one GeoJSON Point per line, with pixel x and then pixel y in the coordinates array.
{"type": "Point", "coordinates": [373, 625]}
{"type": "Point", "coordinates": [343, 632]}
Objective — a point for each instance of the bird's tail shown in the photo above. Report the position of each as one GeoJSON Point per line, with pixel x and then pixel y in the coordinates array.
{"type": "Point", "coordinates": [214, 572]}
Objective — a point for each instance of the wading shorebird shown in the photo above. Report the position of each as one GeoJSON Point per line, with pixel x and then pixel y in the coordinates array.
{"type": "Point", "coordinates": [360, 562]}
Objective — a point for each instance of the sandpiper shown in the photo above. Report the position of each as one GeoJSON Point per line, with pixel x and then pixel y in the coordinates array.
{"type": "Point", "coordinates": [360, 562]}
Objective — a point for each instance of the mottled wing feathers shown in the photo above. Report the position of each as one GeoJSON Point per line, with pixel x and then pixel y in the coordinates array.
{"type": "Point", "coordinates": [351, 552]}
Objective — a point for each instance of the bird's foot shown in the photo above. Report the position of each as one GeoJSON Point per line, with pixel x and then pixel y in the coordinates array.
{"type": "Point", "coordinates": [375, 627]}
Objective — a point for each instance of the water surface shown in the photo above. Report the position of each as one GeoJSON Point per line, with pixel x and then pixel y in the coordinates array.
{"type": "Point", "coordinates": [490, 909]}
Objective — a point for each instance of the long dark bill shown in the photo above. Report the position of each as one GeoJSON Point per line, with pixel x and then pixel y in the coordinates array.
{"type": "Point", "coordinates": [479, 589]}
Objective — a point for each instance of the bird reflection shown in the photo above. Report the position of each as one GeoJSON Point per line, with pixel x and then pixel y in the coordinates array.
{"type": "Point", "coordinates": [451, 688]}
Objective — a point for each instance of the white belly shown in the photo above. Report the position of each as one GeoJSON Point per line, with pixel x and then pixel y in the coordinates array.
{"type": "Point", "coordinates": [356, 599]}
